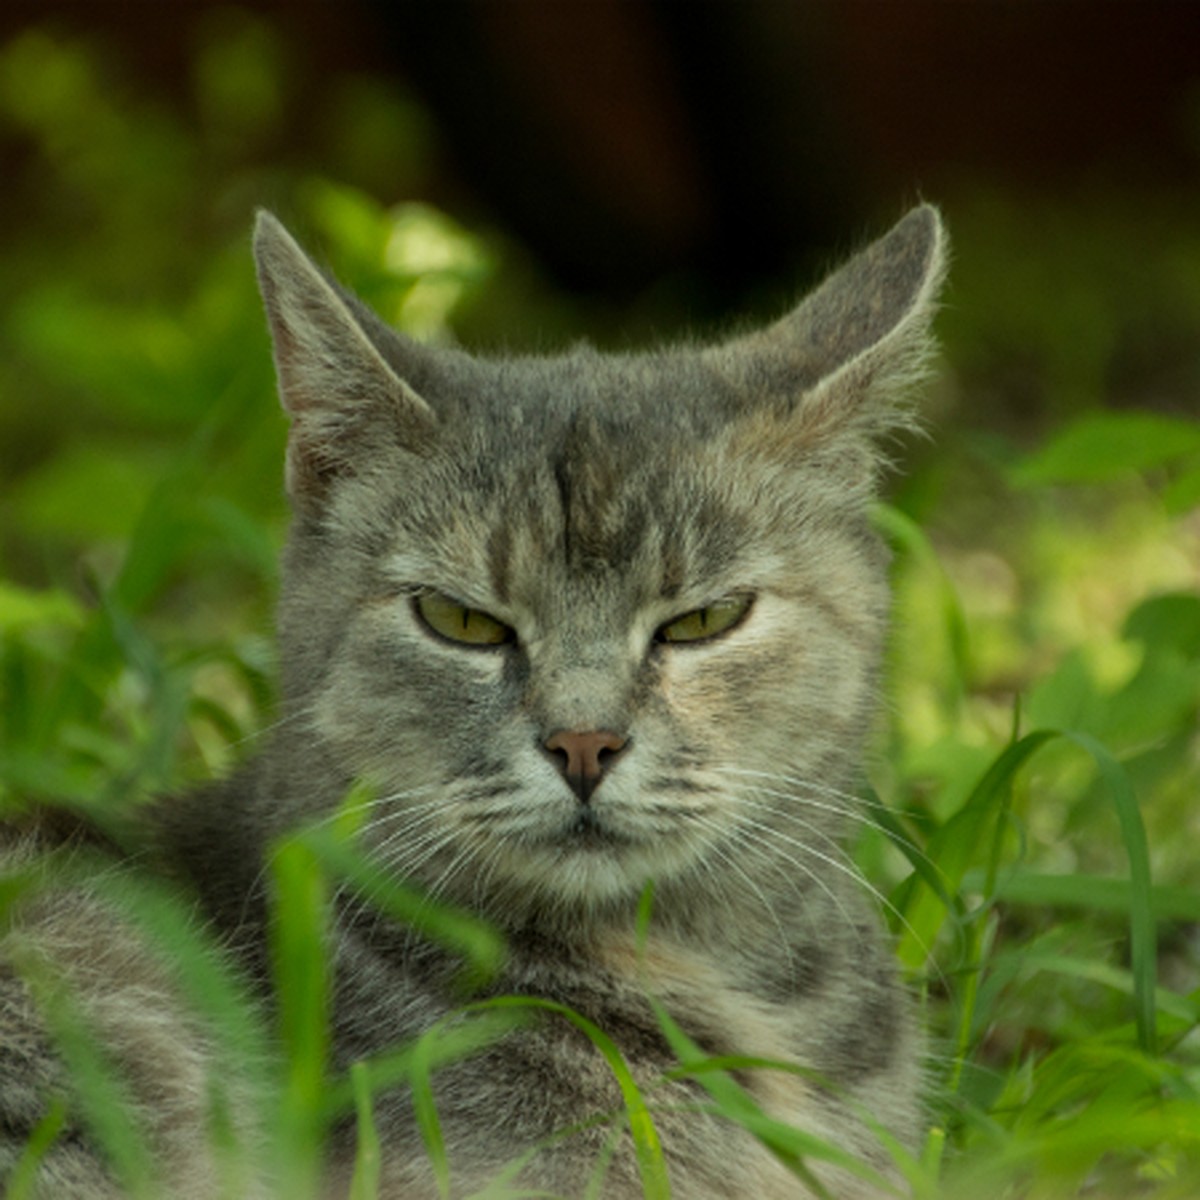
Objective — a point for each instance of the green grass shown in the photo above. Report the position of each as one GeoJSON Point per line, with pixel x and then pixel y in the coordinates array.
{"type": "Point", "coordinates": [1039, 768]}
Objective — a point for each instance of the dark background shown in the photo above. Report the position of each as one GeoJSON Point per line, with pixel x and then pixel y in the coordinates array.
{"type": "Point", "coordinates": [628, 141]}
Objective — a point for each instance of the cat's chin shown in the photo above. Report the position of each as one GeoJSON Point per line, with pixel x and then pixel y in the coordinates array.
{"type": "Point", "coordinates": [591, 876]}
{"type": "Point", "coordinates": [591, 864]}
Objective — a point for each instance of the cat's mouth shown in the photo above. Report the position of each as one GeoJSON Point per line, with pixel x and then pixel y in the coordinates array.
{"type": "Point", "coordinates": [588, 831]}
{"type": "Point", "coordinates": [596, 853]}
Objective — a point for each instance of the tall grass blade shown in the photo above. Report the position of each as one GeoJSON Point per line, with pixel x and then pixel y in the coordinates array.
{"type": "Point", "coordinates": [425, 1108]}
{"type": "Point", "coordinates": [302, 985]}
{"type": "Point", "coordinates": [790, 1145]}
{"type": "Point", "coordinates": [482, 948]}
{"type": "Point", "coordinates": [652, 1167]}
{"type": "Point", "coordinates": [364, 1185]}
{"type": "Point", "coordinates": [102, 1095]}
{"type": "Point", "coordinates": [957, 843]}
{"type": "Point", "coordinates": [463, 1034]}
{"type": "Point", "coordinates": [22, 1180]}
{"type": "Point", "coordinates": [1088, 893]}
{"type": "Point", "coordinates": [1142, 931]}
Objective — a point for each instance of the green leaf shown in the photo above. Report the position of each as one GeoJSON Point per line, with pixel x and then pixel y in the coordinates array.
{"type": "Point", "coordinates": [1105, 446]}
{"type": "Point", "coordinates": [98, 1085]}
{"type": "Point", "coordinates": [460, 1035]}
{"type": "Point", "coordinates": [22, 1183]}
{"type": "Point", "coordinates": [960, 841]}
{"type": "Point", "coordinates": [22, 609]}
{"type": "Point", "coordinates": [1182, 494]}
{"type": "Point", "coordinates": [1089, 892]}
{"type": "Point", "coordinates": [1142, 940]}
{"type": "Point", "coordinates": [1170, 621]}
{"type": "Point", "coordinates": [94, 492]}
{"type": "Point", "coordinates": [424, 1106]}
{"type": "Point", "coordinates": [790, 1145]}
{"type": "Point", "coordinates": [908, 538]}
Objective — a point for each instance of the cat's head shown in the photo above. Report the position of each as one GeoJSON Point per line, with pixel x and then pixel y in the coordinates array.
{"type": "Point", "coordinates": [590, 619]}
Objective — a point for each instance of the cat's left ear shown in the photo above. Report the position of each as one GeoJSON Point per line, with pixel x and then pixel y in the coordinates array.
{"type": "Point", "coordinates": [839, 364]}
{"type": "Point", "coordinates": [343, 396]}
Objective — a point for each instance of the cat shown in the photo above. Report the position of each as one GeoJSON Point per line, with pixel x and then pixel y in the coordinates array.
{"type": "Point", "coordinates": [583, 623]}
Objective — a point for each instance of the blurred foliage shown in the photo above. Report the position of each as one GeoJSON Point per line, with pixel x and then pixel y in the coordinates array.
{"type": "Point", "coordinates": [1047, 555]}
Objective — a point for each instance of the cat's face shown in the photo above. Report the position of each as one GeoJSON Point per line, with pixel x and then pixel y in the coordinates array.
{"type": "Point", "coordinates": [587, 621]}
{"type": "Point", "coordinates": [541, 576]}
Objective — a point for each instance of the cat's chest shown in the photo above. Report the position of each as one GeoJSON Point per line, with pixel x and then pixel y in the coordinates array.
{"type": "Point", "coordinates": [550, 1071]}
{"type": "Point", "coordinates": [614, 980]}
{"type": "Point", "coordinates": [623, 984]}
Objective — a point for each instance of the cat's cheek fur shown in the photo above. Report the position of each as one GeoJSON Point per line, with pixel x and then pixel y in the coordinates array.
{"type": "Point", "coordinates": [375, 708]}
{"type": "Point", "coordinates": [792, 657]}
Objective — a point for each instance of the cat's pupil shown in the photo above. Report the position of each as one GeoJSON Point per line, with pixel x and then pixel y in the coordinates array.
{"type": "Point", "coordinates": [460, 623]}
{"type": "Point", "coordinates": [706, 623]}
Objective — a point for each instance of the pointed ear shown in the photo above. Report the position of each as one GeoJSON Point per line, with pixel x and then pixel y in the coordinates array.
{"type": "Point", "coordinates": [841, 362]}
{"type": "Point", "coordinates": [335, 384]}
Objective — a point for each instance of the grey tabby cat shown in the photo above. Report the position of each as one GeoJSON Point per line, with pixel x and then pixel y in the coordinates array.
{"type": "Point", "coordinates": [583, 622]}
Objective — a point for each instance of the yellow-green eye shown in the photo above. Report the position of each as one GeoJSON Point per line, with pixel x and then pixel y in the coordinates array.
{"type": "Point", "coordinates": [457, 623]}
{"type": "Point", "coordinates": [703, 623]}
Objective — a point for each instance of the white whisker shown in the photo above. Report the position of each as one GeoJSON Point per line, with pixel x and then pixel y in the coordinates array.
{"type": "Point", "coordinates": [838, 860]}
{"type": "Point", "coordinates": [854, 808]}
{"type": "Point", "coordinates": [727, 857]}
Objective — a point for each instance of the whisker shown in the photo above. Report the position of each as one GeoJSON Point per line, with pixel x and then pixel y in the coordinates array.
{"type": "Point", "coordinates": [337, 814]}
{"type": "Point", "coordinates": [727, 857]}
{"type": "Point", "coordinates": [763, 835]}
{"type": "Point", "coordinates": [852, 806]}
{"type": "Point", "coordinates": [435, 890]}
{"type": "Point", "coordinates": [407, 844]}
{"type": "Point", "coordinates": [306, 711]}
{"type": "Point", "coordinates": [834, 861]}
{"type": "Point", "coordinates": [404, 864]}
{"type": "Point", "coordinates": [855, 813]}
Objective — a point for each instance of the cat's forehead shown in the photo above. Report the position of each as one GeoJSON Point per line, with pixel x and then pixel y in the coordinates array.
{"type": "Point", "coordinates": [672, 394]}
{"type": "Point", "coordinates": [601, 432]}
{"type": "Point", "coordinates": [580, 468]}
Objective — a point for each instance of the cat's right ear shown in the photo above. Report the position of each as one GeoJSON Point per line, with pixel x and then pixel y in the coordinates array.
{"type": "Point", "coordinates": [835, 371]}
{"type": "Point", "coordinates": [342, 395]}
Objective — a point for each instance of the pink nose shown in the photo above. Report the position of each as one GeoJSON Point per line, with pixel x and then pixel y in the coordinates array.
{"type": "Point", "coordinates": [583, 758]}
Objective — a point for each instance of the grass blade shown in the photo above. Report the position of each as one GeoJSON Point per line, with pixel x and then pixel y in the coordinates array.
{"type": "Point", "coordinates": [302, 985]}
{"type": "Point", "coordinates": [479, 944]}
{"type": "Point", "coordinates": [789, 1144]}
{"type": "Point", "coordinates": [652, 1167]}
{"type": "Point", "coordinates": [22, 1181]}
{"type": "Point", "coordinates": [425, 1108]}
{"type": "Point", "coordinates": [364, 1184]}
{"type": "Point", "coordinates": [1143, 948]}
{"type": "Point", "coordinates": [102, 1095]}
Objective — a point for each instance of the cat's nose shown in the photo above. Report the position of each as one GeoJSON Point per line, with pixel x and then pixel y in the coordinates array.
{"type": "Point", "coordinates": [583, 758]}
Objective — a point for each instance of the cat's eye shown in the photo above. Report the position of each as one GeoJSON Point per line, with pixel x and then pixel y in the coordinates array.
{"type": "Point", "coordinates": [458, 623]}
{"type": "Point", "coordinates": [703, 623]}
